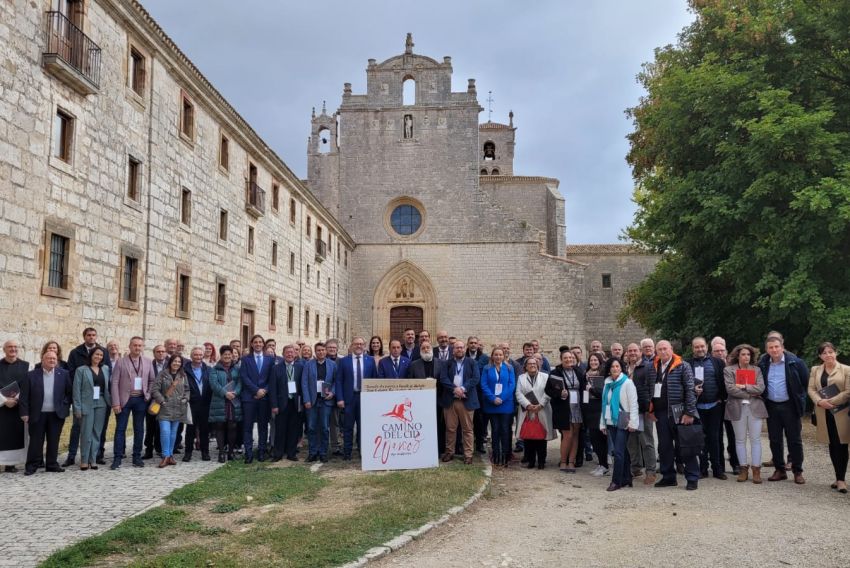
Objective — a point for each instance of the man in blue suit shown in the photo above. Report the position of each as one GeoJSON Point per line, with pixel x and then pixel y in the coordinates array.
{"type": "Point", "coordinates": [45, 402]}
{"type": "Point", "coordinates": [284, 388]}
{"type": "Point", "coordinates": [396, 365]}
{"type": "Point", "coordinates": [353, 368]}
{"type": "Point", "coordinates": [459, 377]}
{"type": "Point", "coordinates": [255, 372]}
{"type": "Point", "coordinates": [318, 385]}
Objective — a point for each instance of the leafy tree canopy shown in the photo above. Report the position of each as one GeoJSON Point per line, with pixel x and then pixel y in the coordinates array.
{"type": "Point", "coordinates": [741, 157]}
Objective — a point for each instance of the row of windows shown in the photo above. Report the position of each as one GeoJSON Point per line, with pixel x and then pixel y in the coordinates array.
{"type": "Point", "coordinates": [57, 278]}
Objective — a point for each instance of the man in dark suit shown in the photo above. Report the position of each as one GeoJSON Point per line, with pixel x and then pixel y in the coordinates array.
{"type": "Point", "coordinates": [283, 395]}
{"type": "Point", "coordinates": [410, 348]}
{"type": "Point", "coordinates": [426, 367]}
{"type": "Point", "coordinates": [459, 377]}
{"type": "Point", "coordinates": [395, 366]}
{"type": "Point", "coordinates": [353, 368]}
{"type": "Point", "coordinates": [45, 402]}
{"type": "Point", "coordinates": [479, 422]}
{"type": "Point", "coordinates": [255, 372]}
{"type": "Point", "coordinates": [78, 357]}
{"type": "Point", "coordinates": [200, 397]}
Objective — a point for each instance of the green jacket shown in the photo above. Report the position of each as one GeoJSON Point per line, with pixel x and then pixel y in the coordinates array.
{"type": "Point", "coordinates": [218, 381]}
{"type": "Point", "coordinates": [174, 407]}
{"type": "Point", "coordinates": [83, 391]}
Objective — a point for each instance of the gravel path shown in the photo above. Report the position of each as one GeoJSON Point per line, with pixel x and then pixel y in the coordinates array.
{"type": "Point", "coordinates": [547, 518]}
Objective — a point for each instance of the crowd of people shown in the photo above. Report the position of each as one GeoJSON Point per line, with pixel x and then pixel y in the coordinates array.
{"type": "Point", "coordinates": [260, 405]}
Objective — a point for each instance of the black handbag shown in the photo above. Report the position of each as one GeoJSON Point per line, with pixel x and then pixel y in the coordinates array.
{"type": "Point", "coordinates": [691, 440]}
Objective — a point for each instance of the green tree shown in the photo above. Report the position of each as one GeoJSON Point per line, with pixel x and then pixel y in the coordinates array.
{"type": "Point", "coordinates": [741, 158]}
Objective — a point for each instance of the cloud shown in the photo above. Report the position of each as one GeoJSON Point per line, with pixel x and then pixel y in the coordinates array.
{"type": "Point", "coordinates": [566, 68]}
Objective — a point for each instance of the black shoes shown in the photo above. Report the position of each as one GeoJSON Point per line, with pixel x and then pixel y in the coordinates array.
{"type": "Point", "coordinates": [222, 458]}
{"type": "Point", "coordinates": [68, 462]}
{"type": "Point", "coordinates": [205, 457]}
{"type": "Point", "coordinates": [187, 457]}
{"type": "Point", "coordinates": [56, 469]}
{"type": "Point", "coordinates": [692, 485]}
{"type": "Point", "coordinates": [311, 459]}
{"type": "Point", "coordinates": [667, 483]}
{"type": "Point", "coordinates": [115, 465]}
{"type": "Point", "coordinates": [138, 462]}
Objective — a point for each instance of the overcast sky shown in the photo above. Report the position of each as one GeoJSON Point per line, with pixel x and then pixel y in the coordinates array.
{"type": "Point", "coordinates": [565, 67]}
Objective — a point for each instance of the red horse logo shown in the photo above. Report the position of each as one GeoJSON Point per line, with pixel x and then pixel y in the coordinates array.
{"type": "Point", "coordinates": [402, 411]}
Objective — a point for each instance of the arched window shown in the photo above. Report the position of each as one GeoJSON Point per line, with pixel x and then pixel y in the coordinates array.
{"type": "Point", "coordinates": [483, 171]}
{"type": "Point", "coordinates": [489, 150]}
{"type": "Point", "coordinates": [324, 143]}
{"type": "Point", "coordinates": [495, 171]}
{"type": "Point", "coordinates": [408, 93]}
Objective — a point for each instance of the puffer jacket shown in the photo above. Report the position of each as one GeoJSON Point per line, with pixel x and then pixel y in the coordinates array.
{"type": "Point", "coordinates": [680, 385]}
{"type": "Point", "coordinates": [218, 380]}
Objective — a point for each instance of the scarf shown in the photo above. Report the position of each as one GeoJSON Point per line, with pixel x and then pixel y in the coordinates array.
{"type": "Point", "coordinates": [615, 397]}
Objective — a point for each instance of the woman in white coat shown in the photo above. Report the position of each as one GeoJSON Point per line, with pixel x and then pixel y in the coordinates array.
{"type": "Point", "coordinates": [619, 418]}
{"type": "Point", "coordinates": [534, 405]}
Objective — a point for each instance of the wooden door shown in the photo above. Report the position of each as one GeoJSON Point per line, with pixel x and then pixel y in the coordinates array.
{"type": "Point", "coordinates": [247, 328]}
{"type": "Point", "coordinates": [401, 318]}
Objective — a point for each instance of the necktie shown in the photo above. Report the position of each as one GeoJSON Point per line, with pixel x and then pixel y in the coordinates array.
{"type": "Point", "coordinates": [395, 366]}
{"type": "Point", "coordinates": [259, 363]}
{"type": "Point", "coordinates": [358, 374]}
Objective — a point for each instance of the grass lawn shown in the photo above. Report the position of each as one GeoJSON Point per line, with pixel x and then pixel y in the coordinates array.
{"type": "Point", "coordinates": [272, 515]}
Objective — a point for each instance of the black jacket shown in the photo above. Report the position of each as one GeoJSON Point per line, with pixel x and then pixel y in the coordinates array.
{"type": "Point", "coordinates": [707, 395]}
{"type": "Point", "coordinates": [643, 377]}
{"type": "Point", "coordinates": [561, 407]}
{"type": "Point", "coordinates": [79, 356]}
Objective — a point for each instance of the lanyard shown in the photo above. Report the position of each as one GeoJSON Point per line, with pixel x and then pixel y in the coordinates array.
{"type": "Point", "coordinates": [137, 370]}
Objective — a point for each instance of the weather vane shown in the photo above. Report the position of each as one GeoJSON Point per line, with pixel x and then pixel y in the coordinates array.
{"type": "Point", "coordinates": [490, 101]}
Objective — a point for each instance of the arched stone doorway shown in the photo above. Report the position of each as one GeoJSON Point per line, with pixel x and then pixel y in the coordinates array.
{"type": "Point", "coordinates": [404, 298]}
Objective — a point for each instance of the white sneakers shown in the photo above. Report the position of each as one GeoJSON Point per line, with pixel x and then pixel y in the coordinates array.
{"type": "Point", "coordinates": [599, 471]}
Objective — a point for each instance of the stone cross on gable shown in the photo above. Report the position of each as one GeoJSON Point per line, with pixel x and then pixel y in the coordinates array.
{"type": "Point", "coordinates": [408, 44]}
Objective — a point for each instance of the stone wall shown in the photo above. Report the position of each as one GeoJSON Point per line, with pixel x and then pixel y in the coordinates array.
{"type": "Point", "coordinates": [627, 268]}
{"type": "Point", "coordinates": [87, 199]}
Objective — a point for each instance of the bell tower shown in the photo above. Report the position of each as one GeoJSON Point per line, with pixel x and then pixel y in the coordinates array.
{"type": "Point", "coordinates": [323, 158]}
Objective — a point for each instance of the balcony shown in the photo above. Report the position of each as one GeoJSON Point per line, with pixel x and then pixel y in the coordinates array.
{"type": "Point", "coordinates": [71, 55]}
{"type": "Point", "coordinates": [255, 200]}
{"type": "Point", "coordinates": [321, 250]}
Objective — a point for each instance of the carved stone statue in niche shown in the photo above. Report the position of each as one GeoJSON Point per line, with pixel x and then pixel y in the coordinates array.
{"type": "Point", "coordinates": [408, 126]}
{"type": "Point", "coordinates": [404, 289]}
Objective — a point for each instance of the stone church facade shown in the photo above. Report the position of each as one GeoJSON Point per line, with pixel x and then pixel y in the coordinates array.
{"type": "Point", "coordinates": [137, 200]}
{"type": "Point", "coordinates": [447, 236]}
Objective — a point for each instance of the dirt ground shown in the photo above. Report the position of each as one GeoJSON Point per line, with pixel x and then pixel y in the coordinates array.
{"type": "Point", "coordinates": [547, 518]}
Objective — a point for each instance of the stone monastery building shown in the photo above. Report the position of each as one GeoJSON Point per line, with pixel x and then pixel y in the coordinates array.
{"type": "Point", "coordinates": [137, 200]}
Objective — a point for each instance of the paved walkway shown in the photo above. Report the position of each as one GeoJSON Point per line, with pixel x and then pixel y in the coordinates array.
{"type": "Point", "coordinates": [537, 519]}
{"type": "Point", "coordinates": [45, 512]}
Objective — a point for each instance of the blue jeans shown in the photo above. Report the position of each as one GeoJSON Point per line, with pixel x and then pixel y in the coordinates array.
{"type": "Point", "coordinates": [352, 418]}
{"type": "Point", "coordinates": [138, 407]}
{"type": "Point", "coordinates": [619, 438]}
{"type": "Point", "coordinates": [260, 412]}
{"type": "Point", "coordinates": [318, 428]}
{"type": "Point", "coordinates": [500, 433]}
{"type": "Point", "coordinates": [167, 436]}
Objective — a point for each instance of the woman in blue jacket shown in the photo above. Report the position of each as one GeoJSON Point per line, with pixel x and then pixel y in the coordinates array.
{"type": "Point", "coordinates": [498, 382]}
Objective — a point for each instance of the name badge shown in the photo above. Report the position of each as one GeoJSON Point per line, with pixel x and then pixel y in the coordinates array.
{"type": "Point", "coordinates": [291, 386]}
{"type": "Point", "coordinates": [699, 373]}
{"type": "Point", "coordinates": [585, 397]}
{"type": "Point", "coordinates": [745, 401]}
{"type": "Point", "coordinates": [657, 391]}
{"type": "Point", "coordinates": [573, 397]}
{"type": "Point", "coordinates": [498, 390]}
{"type": "Point", "coordinates": [137, 383]}
{"type": "Point", "coordinates": [96, 393]}
{"type": "Point", "coordinates": [320, 385]}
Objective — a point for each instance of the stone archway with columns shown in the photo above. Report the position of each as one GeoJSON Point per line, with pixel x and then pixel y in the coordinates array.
{"type": "Point", "coordinates": [405, 284]}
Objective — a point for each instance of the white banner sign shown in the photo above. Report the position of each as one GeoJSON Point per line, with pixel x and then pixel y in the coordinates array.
{"type": "Point", "coordinates": [399, 420]}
